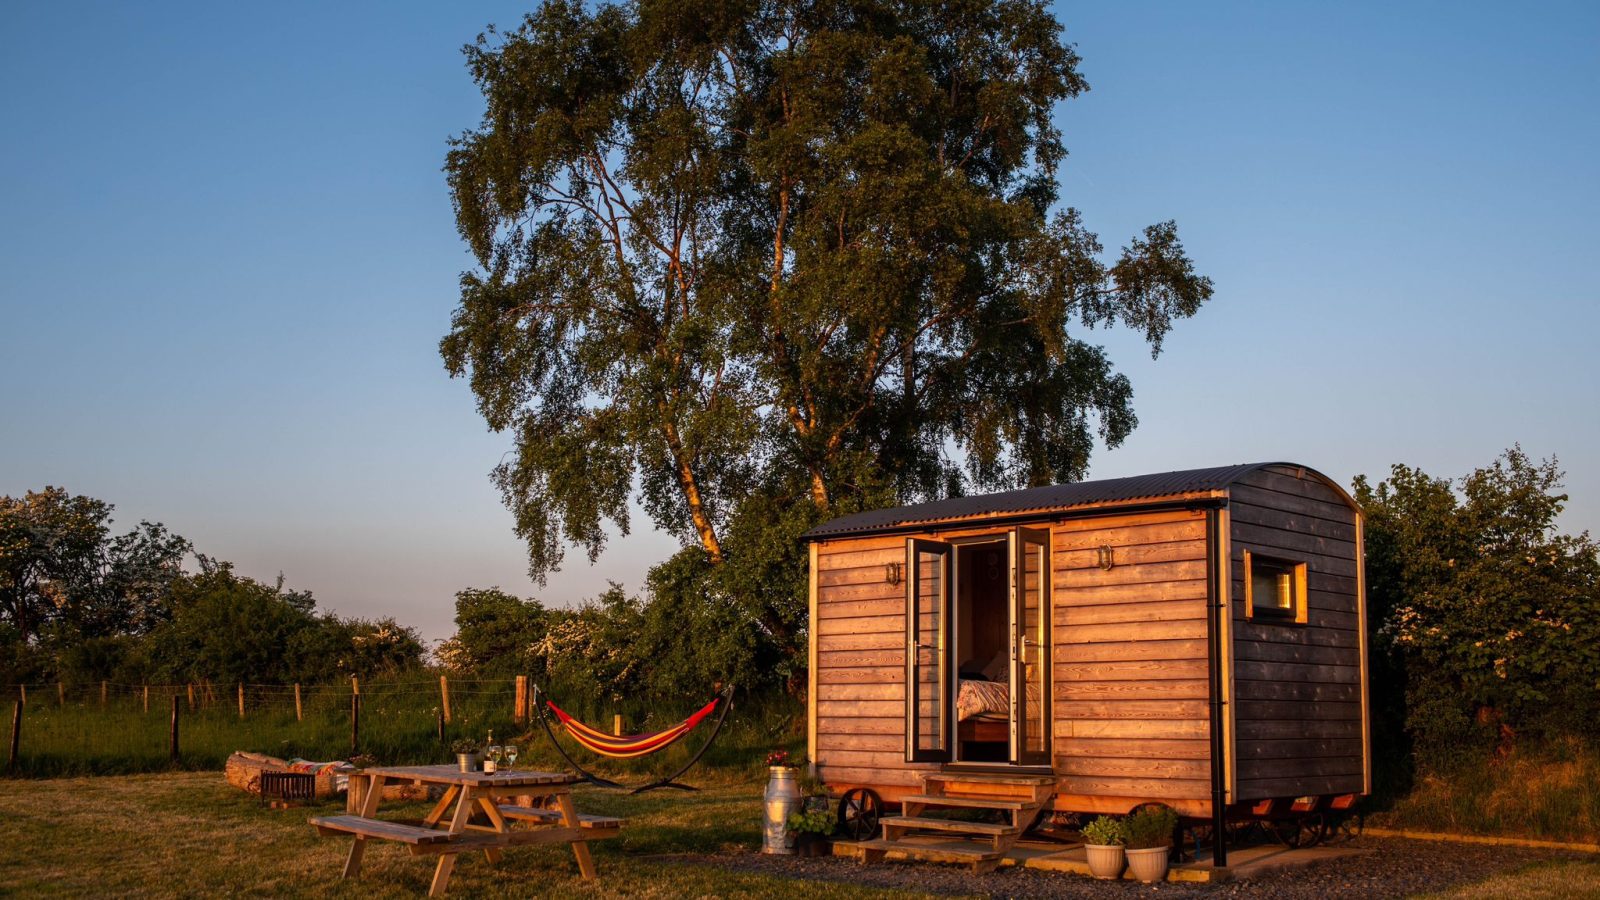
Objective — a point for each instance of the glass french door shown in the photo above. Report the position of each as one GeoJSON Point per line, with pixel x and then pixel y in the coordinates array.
{"type": "Point", "coordinates": [928, 688]}
{"type": "Point", "coordinates": [1030, 647]}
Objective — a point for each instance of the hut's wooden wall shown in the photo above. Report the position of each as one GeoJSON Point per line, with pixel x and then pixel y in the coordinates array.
{"type": "Point", "coordinates": [1131, 717]}
{"type": "Point", "coordinates": [861, 659]}
{"type": "Point", "coordinates": [1298, 710]}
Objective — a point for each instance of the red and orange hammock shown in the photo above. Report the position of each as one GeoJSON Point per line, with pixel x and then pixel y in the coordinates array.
{"type": "Point", "coordinates": [633, 745]}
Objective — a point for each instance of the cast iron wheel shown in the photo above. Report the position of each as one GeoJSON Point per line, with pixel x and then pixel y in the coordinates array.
{"type": "Point", "coordinates": [859, 812]}
{"type": "Point", "coordinates": [1301, 831]}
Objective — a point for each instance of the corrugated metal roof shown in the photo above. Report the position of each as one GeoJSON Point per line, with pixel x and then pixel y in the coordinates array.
{"type": "Point", "coordinates": [1059, 496]}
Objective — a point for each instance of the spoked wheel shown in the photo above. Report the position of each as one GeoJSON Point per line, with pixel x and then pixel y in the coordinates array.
{"type": "Point", "coordinates": [859, 812]}
{"type": "Point", "coordinates": [1303, 831]}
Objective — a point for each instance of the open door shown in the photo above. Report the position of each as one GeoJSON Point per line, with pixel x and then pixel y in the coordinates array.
{"type": "Point", "coordinates": [928, 688]}
{"type": "Point", "coordinates": [1030, 643]}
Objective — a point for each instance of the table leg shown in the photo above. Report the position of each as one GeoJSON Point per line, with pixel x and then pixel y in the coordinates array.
{"type": "Point", "coordinates": [369, 808]}
{"type": "Point", "coordinates": [442, 806]}
{"type": "Point", "coordinates": [447, 861]}
{"type": "Point", "coordinates": [487, 804]}
{"type": "Point", "coordinates": [580, 849]}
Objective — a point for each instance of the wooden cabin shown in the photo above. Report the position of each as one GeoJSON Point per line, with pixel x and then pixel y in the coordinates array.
{"type": "Point", "coordinates": [1192, 638]}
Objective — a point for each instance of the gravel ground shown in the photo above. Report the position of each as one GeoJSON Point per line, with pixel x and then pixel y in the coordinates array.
{"type": "Point", "coordinates": [1394, 868]}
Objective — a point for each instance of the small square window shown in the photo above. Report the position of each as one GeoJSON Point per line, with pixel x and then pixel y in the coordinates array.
{"type": "Point", "coordinates": [1274, 589]}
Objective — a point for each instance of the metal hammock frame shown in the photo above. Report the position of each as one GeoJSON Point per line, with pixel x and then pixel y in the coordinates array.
{"type": "Point", "coordinates": [540, 697]}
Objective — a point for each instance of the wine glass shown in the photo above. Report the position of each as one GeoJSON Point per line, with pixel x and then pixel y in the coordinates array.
{"type": "Point", "coordinates": [511, 756]}
{"type": "Point", "coordinates": [494, 754]}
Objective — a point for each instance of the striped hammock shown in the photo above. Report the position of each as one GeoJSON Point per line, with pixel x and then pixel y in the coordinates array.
{"type": "Point", "coordinates": [632, 745]}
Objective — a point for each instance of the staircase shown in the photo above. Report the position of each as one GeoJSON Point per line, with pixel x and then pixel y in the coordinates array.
{"type": "Point", "coordinates": [920, 833]}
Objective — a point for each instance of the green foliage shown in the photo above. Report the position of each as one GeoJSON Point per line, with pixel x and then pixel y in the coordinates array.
{"type": "Point", "coordinates": [1486, 614]}
{"type": "Point", "coordinates": [235, 629]}
{"type": "Point", "coordinates": [464, 745]}
{"type": "Point", "coordinates": [496, 633]}
{"type": "Point", "coordinates": [815, 821]}
{"type": "Point", "coordinates": [767, 264]}
{"type": "Point", "coordinates": [64, 578]}
{"type": "Point", "coordinates": [1105, 831]}
{"type": "Point", "coordinates": [690, 637]}
{"type": "Point", "coordinates": [1151, 826]}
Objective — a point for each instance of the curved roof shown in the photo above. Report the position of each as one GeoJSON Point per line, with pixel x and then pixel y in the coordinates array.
{"type": "Point", "coordinates": [1106, 491]}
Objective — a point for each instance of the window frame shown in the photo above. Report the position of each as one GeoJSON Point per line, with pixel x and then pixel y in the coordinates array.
{"type": "Point", "coordinates": [1276, 615]}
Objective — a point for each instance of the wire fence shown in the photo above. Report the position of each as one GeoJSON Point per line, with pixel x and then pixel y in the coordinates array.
{"type": "Point", "coordinates": [111, 728]}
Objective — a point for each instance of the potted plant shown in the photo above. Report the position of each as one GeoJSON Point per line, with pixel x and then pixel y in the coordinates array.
{"type": "Point", "coordinates": [811, 829]}
{"type": "Point", "coordinates": [1102, 845]}
{"type": "Point", "coordinates": [466, 754]}
{"type": "Point", "coordinates": [813, 793]}
{"type": "Point", "coordinates": [1150, 842]}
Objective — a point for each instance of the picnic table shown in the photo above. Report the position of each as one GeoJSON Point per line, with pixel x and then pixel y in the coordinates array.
{"type": "Point", "coordinates": [471, 793]}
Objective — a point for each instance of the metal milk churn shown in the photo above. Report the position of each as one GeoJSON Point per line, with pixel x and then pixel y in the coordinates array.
{"type": "Point", "coordinates": [783, 798]}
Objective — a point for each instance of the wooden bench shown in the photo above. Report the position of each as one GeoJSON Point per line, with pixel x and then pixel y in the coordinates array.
{"type": "Point", "coordinates": [586, 821]}
{"type": "Point", "coordinates": [362, 826]}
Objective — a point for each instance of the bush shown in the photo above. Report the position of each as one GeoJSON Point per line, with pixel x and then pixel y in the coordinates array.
{"type": "Point", "coordinates": [1485, 613]}
{"type": "Point", "coordinates": [816, 821]}
{"type": "Point", "coordinates": [1105, 831]}
{"type": "Point", "coordinates": [1151, 827]}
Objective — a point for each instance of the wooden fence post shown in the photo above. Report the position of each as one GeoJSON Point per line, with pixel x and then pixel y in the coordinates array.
{"type": "Point", "coordinates": [299, 716]}
{"type": "Point", "coordinates": [355, 724]}
{"type": "Point", "coordinates": [519, 712]}
{"type": "Point", "coordinates": [174, 743]}
{"type": "Point", "coordinates": [439, 715]}
{"type": "Point", "coordinates": [191, 696]}
{"type": "Point", "coordinates": [241, 699]}
{"type": "Point", "coordinates": [61, 694]}
{"type": "Point", "coordinates": [355, 685]}
{"type": "Point", "coordinates": [444, 696]}
{"type": "Point", "coordinates": [147, 699]}
{"type": "Point", "coordinates": [102, 695]}
{"type": "Point", "coordinates": [22, 694]}
{"type": "Point", "coordinates": [616, 724]}
{"type": "Point", "coordinates": [16, 738]}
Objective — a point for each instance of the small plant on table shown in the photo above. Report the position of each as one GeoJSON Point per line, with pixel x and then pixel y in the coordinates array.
{"type": "Point", "coordinates": [466, 752]}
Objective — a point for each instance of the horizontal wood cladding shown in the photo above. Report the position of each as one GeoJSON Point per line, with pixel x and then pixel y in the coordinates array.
{"type": "Point", "coordinates": [1131, 689]}
{"type": "Point", "coordinates": [1297, 687]}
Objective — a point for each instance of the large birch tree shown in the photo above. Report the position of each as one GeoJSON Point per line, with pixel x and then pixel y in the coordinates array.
{"type": "Point", "coordinates": [738, 258]}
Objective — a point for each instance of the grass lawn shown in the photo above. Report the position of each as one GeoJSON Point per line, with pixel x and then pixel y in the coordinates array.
{"type": "Point", "coordinates": [1556, 881]}
{"type": "Point", "coordinates": [189, 834]}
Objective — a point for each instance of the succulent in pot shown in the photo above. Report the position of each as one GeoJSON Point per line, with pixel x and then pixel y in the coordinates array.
{"type": "Point", "coordinates": [466, 752]}
{"type": "Point", "coordinates": [1150, 842]}
{"type": "Point", "coordinates": [1102, 847]}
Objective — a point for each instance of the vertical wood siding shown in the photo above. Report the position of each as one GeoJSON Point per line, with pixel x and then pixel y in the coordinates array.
{"type": "Point", "coordinates": [1297, 688]}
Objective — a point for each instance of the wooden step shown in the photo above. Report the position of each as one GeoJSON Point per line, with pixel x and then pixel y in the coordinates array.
{"type": "Point", "coordinates": [968, 801]}
{"type": "Point", "coordinates": [929, 824]}
{"type": "Point", "coordinates": [981, 857]}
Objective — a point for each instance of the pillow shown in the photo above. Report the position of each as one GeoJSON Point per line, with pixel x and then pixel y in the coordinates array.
{"type": "Point", "coordinates": [999, 668]}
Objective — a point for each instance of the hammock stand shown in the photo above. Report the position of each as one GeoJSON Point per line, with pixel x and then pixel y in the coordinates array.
{"type": "Point", "coordinates": [725, 696]}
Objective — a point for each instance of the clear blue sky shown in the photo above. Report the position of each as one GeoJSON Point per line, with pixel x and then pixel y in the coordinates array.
{"type": "Point", "coordinates": [227, 256]}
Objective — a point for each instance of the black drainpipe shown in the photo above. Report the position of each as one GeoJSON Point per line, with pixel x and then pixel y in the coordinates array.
{"type": "Point", "coordinates": [1216, 606]}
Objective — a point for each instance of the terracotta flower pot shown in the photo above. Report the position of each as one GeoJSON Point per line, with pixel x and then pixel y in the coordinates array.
{"type": "Point", "coordinates": [1149, 865]}
{"type": "Point", "coordinates": [1105, 860]}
